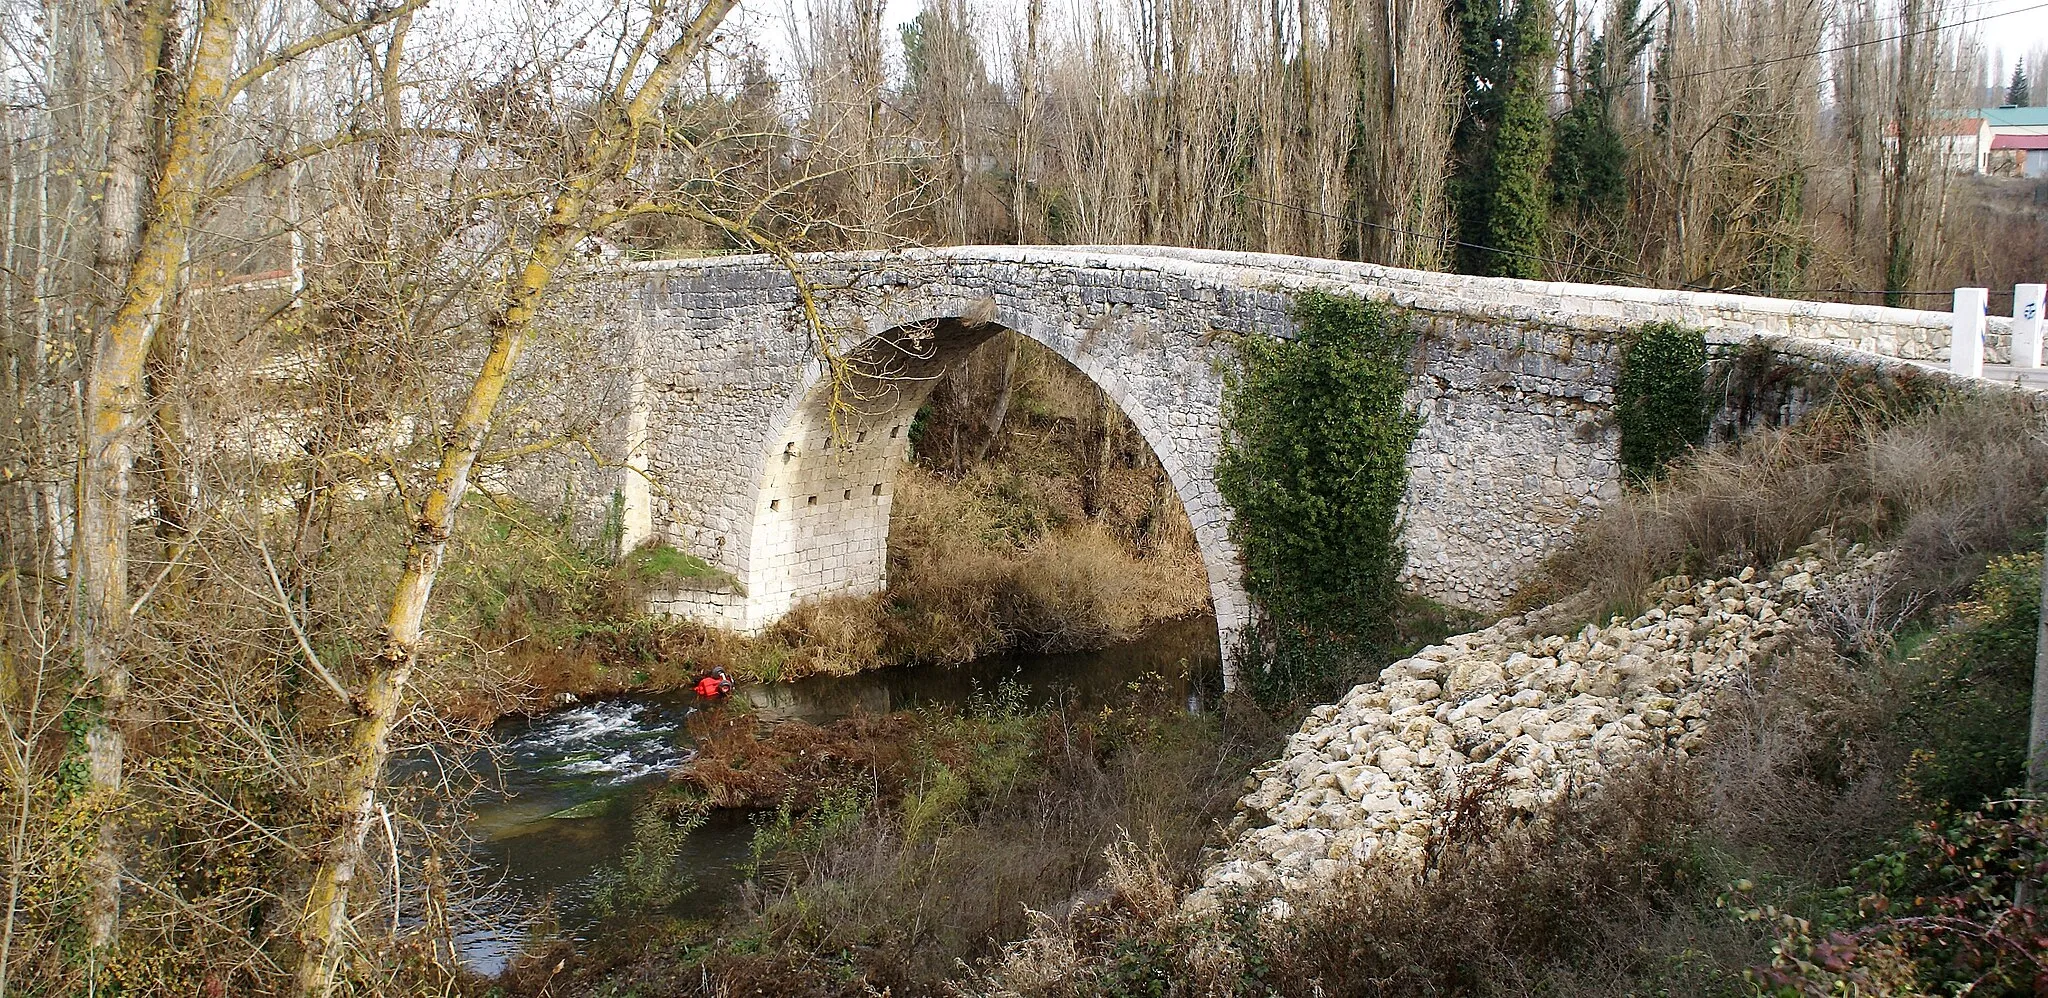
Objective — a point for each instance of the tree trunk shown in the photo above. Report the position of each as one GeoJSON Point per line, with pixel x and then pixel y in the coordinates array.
{"type": "Point", "coordinates": [1095, 453]}
{"type": "Point", "coordinates": [1028, 86]}
{"type": "Point", "coordinates": [171, 501]}
{"type": "Point", "coordinates": [376, 708]}
{"type": "Point", "coordinates": [352, 805]}
{"type": "Point", "coordinates": [133, 34]}
{"type": "Point", "coordinates": [1001, 410]}
{"type": "Point", "coordinates": [115, 407]}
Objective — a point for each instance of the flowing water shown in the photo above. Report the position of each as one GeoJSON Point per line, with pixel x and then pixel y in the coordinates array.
{"type": "Point", "coordinates": [565, 783]}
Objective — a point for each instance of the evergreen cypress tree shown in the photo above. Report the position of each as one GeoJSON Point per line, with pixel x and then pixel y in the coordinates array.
{"type": "Point", "coordinates": [1518, 212]}
{"type": "Point", "coordinates": [2016, 92]}
{"type": "Point", "coordinates": [1589, 162]}
{"type": "Point", "coordinates": [1587, 166]}
{"type": "Point", "coordinates": [1479, 25]}
{"type": "Point", "coordinates": [1502, 146]}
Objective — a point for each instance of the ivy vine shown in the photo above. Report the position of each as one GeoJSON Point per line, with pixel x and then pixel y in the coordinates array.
{"type": "Point", "coordinates": [1661, 399]}
{"type": "Point", "coordinates": [1314, 466]}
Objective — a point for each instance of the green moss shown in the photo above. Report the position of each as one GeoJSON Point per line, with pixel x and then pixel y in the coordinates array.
{"type": "Point", "coordinates": [659, 564]}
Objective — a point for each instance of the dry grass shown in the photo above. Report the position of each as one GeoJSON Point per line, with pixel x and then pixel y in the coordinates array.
{"type": "Point", "coordinates": [1802, 773]}
{"type": "Point", "coordinates": [1611, 891]}
{"type": "Point", "coordinates": [1949, 486]}
{"type": "Point", "coordinates": [1053, 531]}
{"type": "Point", "coordinates": [1565, 905]}
{"type": "Point", "coordinates": [966, 581]}
{"type": "Point", "coordinates": [970, 584]}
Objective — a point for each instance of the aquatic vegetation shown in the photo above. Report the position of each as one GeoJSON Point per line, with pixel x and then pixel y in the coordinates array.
{"type": "Point", "coordinates": [649, 875]}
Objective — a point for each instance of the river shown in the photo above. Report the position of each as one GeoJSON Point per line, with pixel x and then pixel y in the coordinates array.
{"type": "Point", "coordinates": [563, 783]}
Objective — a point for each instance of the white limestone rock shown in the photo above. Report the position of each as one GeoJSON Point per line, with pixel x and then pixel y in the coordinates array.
{"type": "Point", "coordinates": [1365, 777]}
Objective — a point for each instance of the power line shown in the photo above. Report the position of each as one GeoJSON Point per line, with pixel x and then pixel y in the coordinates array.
{"type": "Point", "coordinates": [1846, 46]}
{"type": "Point", "coordinates": [1641, 280]}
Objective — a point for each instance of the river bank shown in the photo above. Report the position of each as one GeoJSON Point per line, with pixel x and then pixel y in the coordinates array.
{"type": "Point", "coordinates": [1052, 529]}
{"type": "Point", "coordinates": [649, 808]}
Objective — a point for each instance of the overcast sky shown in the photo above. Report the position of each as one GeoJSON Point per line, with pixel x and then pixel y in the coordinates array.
{"type": "Point", "coordinates": [2014, 28]}
{"type": "Point", "coordinates": [2023, 22]}
{"type": "Point", "coordinates": [2009, 28]}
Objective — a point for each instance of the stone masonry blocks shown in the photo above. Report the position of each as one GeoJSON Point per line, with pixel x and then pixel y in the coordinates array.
{"type": "Point", "coordinates": [759, 464]}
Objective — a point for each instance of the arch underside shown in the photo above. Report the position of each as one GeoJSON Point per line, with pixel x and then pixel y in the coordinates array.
{"type": "Point", "coordinates": [828, 480]}
{"type": "Point", "coordinates": [820, 515]}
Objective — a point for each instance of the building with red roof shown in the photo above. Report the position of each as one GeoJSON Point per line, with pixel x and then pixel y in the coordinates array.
{"type": "Point", "coordinates": [2018, 155]}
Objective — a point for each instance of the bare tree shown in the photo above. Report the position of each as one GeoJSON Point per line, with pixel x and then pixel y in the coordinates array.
{"type": "Point", "coordinates": [145, 238]}
{"type": "Point", "coordinates": [602, 157]}
{"type": "Point", "coordinates": [1025, 155]}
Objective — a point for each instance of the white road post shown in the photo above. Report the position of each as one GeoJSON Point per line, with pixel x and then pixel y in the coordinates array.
{"type": "Point", "coordinates": [2026, 324]}
{"type": "Point", "coordinates": [1966, 339]}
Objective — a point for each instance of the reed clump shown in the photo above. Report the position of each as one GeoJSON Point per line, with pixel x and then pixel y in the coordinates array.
{"type": "Point", "coordinates": [939, 836]}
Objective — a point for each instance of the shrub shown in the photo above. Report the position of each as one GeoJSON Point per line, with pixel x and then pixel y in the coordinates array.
{"type": "Point", "coordinates": [1567, 904]}
{"type": "Point", "coordinates": [1937, 915]}
{"type": "Point", "coordinates": [939, 846]}
{"type": "Point", "coordinates": [648, 874]}
{"type": "Point", "coordinates": [1661, 399]}
{"type": "Point", "coordinates": [1950, 482]}
{"type": "Point", "coordinates": [1314, 467]}
{"type": "Point", "coordinates": [1971, 690]}
{"type": "Point", "coordinates": [1316, 461]}
{"type": "Point", "coordinates": [790, 830]}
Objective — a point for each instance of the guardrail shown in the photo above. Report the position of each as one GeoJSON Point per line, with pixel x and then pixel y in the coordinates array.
{"type": "Point", "coordinates": [1966, 329]}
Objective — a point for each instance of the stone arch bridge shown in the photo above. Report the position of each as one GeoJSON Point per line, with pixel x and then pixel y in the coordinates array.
{"type": "Point", "coordinates": [732, 448]}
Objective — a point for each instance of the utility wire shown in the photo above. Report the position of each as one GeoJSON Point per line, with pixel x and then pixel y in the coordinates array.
{"type": "Point", "coordinates": [1641, 280]}
{"type": "Point", "coordinates": [1844, 47]}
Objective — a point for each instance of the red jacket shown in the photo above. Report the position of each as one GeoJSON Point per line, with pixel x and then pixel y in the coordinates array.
{"type": "Point", "coordinates": [712, 686]}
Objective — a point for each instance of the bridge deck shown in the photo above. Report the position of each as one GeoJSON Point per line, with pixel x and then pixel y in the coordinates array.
{"type": "Point", "coordinates": [2024, 377]}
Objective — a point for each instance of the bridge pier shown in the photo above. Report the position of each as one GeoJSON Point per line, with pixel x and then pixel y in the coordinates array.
{"type": "Point", "coordinates": [821, 518]}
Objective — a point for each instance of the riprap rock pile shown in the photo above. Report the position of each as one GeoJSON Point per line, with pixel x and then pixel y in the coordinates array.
{"type": "Point", "coordinates": [1529, 714]}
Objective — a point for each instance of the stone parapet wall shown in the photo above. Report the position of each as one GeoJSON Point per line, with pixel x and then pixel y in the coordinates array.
{"type": "Point", "coordinates": [1908, 334]}
{"type": "Point", "coordinates": [1526, 713]}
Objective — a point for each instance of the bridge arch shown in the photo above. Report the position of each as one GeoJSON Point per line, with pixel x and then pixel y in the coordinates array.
{"type": "Point", "coordinates": [1514, 379]}
{"type": "Point", "coordinates": [818, 522]}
